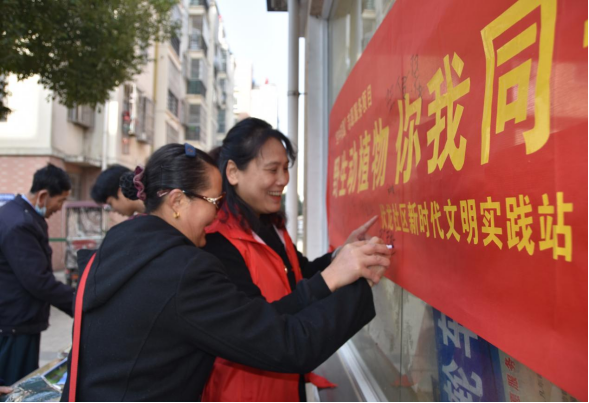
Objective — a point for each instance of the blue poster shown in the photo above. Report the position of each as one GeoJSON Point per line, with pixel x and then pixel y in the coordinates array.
{"type": "Point", "coordinates": [467, 364]}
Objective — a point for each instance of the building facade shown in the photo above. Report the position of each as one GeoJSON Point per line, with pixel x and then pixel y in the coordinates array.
{"type": "Point", "coordinates": [185, 93]}
{"type": "Point", "coordinates": [209, 76]}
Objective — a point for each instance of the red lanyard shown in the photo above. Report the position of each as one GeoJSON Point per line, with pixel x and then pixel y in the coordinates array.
{"type": "Point", "coordinates": [73, 375]}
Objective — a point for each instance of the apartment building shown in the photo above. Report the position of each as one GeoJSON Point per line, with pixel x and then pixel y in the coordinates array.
{"type": "Point", "coordinates": [181, 95]}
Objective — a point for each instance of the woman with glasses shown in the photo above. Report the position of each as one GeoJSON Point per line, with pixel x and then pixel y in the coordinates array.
{"type": "Point", "coordinates": [157, 309]}
{"type": "Point", "coordinates": [251, 241]}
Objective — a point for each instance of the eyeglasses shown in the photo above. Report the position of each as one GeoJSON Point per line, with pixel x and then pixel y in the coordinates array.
{"type": "Point", "coordinates": [217, 201]}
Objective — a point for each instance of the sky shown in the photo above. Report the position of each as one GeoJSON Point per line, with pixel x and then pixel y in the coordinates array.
{"type": "Point", "coordinates": [262, 37]}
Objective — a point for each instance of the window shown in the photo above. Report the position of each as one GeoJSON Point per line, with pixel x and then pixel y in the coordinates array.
{"type": "Point", "coordinates": [221, 121]}
{"type": "Point", "coordinates": [196, 87]}
{"type": "Point", "coordinates": [198, 38]}
{"type": "Point", "coordinates": [172, 103]}
{"type": "Point", "coordinates": [195, 70]}
{"type": "Point", "coordinates": [194, 122]}
{"type": "Point", "coordinates": [351, 26]}
{"type": "Point", "coordinates": [204, 3]}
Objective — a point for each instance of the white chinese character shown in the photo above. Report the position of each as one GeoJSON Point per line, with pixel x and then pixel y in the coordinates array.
{"type": "Point", "coordinates": [452, 330]}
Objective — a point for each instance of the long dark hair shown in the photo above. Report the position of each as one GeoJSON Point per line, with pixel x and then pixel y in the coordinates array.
{"type": "Point", "coordinates": [242, 145]}
{"type": "Point", "coordinates": [173, 166]}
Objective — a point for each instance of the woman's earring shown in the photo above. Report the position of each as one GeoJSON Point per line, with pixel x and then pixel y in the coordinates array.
{"type": "Point", "coordinates": [176, 214]}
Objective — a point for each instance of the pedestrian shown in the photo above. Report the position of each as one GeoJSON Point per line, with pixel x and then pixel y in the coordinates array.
{"type": "Point", "coordinates": [27, 284]}
{"type": "Point", "coordinates": [250, 239]}
{"type": "Point", "coordinates": [106, 190]}
{"type": "Point", "coordinates": [157, 309]}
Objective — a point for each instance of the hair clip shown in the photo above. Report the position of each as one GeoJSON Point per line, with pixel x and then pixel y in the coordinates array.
{"type": "Point", "coordinates": [189, 150]}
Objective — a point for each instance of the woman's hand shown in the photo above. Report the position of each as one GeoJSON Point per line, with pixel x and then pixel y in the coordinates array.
{"type": "Point", "coordinates": [368, 259]}
{"type": "Point", "coordinates": [359, 234]}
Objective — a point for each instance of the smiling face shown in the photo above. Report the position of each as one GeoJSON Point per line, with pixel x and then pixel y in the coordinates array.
{"type": "Point", "coordinates": [261, 184]}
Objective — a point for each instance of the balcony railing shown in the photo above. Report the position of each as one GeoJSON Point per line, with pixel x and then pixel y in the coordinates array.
{"type": "Point", "coordinates": [196, 87]}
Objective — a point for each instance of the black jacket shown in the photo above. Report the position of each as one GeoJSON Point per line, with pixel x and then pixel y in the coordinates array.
{"type": "Point", "coordinates": [239, 273]}
{"type": "Point", "coordinates": [27, 284]}
{"type": "Point", "coordinates": [157, 310]}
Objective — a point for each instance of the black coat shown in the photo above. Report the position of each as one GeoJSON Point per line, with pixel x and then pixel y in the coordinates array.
{"type": "Point", "coordinates": [27, 284]}
{"type": "Point", "coordinates": [158, 310]}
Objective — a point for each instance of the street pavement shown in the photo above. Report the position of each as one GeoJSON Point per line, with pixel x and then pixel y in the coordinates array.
{"type": "Point", "coordinates": [59, 335]}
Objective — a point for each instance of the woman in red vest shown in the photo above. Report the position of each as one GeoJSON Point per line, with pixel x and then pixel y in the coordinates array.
{"type": "Point", "coordinates": [250, 239]}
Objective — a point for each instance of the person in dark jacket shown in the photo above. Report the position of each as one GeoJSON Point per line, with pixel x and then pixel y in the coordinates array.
{"type": "Point", "coordinates": [106, 190]}
{"type": "Point", "coordinates": [157, 309]}
{"type": "Point", "coordinates": [27, 284]}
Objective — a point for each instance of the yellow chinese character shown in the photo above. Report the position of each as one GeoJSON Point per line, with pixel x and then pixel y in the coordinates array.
{"type": "Point", "coordinates": [413, 219]}
{"type": "Point", "coordinates": [549, 232]}
{"type": "Point", "coordinates": [369, 95]}
{"type": "Point", "coordinates": [468, 215]}
{"type": "Point", "coordinates": [342, 174]}
{"type": "Point", "coordinates": [364, 162]}
{"type": "Point", "coordinates": [380, 146]}
{"type": "Point", "coordinates": [383, 217]}
{"type": "Point", "coordinates": [349, 117]}
{"type": "Point", "coordinates": [488, 211]}
{"type": "Point", "coordinates": [364, 106]}
{"type": "Point", "coordinates": [452, 119]}
{"type": "Point", "coordinates": [517, 221]}
{"type": "Point", "coordinates": [390, 218]}
{"type": "Point", "coordinates": [450, 211]}
{"type": "Point", "coordinates": [407, 146]}
{"type": "Point", "coordinates": [402, 211]}
{"type": "Point", "coordinates": [335, 177]}
{"type": "Point", "coordinates": [352, 169]}
{"type": "Point", "coordinates": [423, 221]}
{"type": "Point", "coordinates": [518, 76]}
{"type": "Point", "coordinates": [435, 218]}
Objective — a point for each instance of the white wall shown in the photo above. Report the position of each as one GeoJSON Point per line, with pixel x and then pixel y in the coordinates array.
{"type": "Point", "coordinates": [28, 127]}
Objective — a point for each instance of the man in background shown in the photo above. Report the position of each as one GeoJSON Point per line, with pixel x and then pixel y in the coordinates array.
{"type": "Point", "coordinates": [27, 284]}
{"type": "Point", "coordinates": [106, 190]}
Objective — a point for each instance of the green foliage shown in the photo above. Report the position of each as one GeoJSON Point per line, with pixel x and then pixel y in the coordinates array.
{"type": "Point", "coordinates": [81, 49]}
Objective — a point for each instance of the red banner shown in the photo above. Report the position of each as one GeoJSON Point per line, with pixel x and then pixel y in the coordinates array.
{"type": "Point", "coordinates": [464, 127]}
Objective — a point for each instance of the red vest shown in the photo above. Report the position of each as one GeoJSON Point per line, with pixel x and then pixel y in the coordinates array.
{"type": "Point", "coordinates": [235, 382]}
